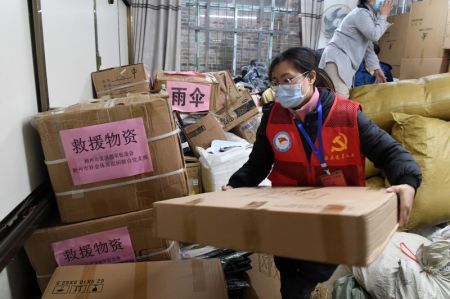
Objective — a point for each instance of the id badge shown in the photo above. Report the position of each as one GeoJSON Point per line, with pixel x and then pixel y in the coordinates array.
{"type": "Point", "coordinates": [335, 179]}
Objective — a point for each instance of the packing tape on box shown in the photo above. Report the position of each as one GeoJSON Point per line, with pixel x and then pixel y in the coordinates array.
{"type": "Point", "coordinates": [140, 280]}
{"type": "Point", "coordinates": [251, 226]}
{"type": "Point", "coordinates": [136, 181]}
{"type": "Point", "coordinates": [190, 224]}
{"type": "Point", "coordinates": [156, 253]}
{"type": "Point", "coordinates": [198, 276]}
{"type": "Point", "coordinates": [109, 90]}
{"type": "Point", "coordinates": [151, 139]}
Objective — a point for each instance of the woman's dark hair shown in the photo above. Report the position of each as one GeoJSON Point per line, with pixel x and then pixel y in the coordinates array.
{"type": "Point", "coordinates": [363, 3]}
{"type": "Point", "coordinates": [304, 60]}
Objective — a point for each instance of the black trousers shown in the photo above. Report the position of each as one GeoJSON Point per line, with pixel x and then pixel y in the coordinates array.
{"type": "Point", "coordinates": [299, 278]}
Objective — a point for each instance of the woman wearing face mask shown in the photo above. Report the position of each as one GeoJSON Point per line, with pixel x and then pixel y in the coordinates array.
{"type": "Point", "coordinates": [352, 43]}
{"type": "Point", "coordinates": [311, 137]}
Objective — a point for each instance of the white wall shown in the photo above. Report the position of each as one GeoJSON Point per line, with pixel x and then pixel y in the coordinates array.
{"type": "Point", "coordinates": [21, 163]}
{"type": "Point", "coordinates": [70, 49]}
{"type": "Point", "coordinates": [69, 40]}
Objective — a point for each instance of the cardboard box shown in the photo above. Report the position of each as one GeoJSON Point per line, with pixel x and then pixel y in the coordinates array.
{"type": "Point", "coordinates": [203, 132]}
{"type": "Point", "coordinates": [140, 227]}
{"type": "Point", "coordinates": [247, 130]}
{"type": "Point", "coordinates": [393, 42]}
{"type": "Point", "coordinates": [426, 30]}
{"type": "Point", "coordinates": [79, 202]}
{"type": "Point", "coordinates": [338, 225]}
{"type": "Point", "coordinates": [194, 177]}
{"type": "Point", "coordinates": [193, 279]}
{"type": "Point", "coordinates": [417, 68]}
{"type": "Point", "coordinates": [232, 107]}
{"type": "Point", "coordinates": [228, 105]}
{"type": "Point", "coordinates": [119, 81]}
{"type": "Point", "coordinates": [395, 71]}
{"type": "Point", "coordinates": [264, 278]}
{"type": "Point", "coordinates": [447, 31]}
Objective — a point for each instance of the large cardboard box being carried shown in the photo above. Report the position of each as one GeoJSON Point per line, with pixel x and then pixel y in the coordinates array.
{"type": "Point", "coordinates": [119, 81]}
{"type": "Point", "coordinates": [112, 157]}
{"type": "Point", "coordinates": [415, 68]}
{"type": "Point", "coordinates": [139, 227]}
{"type": "Point", "coordinates": [193, 279]}
{"type": "Point", "coordinates": [426, 30]}
{"type": "Point", "coordinates": [227, 104]}
{"type": "Point", "coordinates": [338, 225]}
{"type": "Point", "coordinates": [393, 42]}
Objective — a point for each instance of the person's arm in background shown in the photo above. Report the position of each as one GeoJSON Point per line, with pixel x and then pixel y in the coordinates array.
{"type": "Point", "coordinates": [373, 64]}
{"type": "Point", "coordinates": [401, 169]}
{"type": "Point", "coordinates": [259, 164]}
{"type": "Point", "coordinates": [365, 24]}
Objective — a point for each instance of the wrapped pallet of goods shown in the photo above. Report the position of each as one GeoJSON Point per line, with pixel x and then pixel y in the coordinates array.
{"type": "Point", "coordinates": [116, 239]}
{"type": "Point", "coordinates": [110, 157]}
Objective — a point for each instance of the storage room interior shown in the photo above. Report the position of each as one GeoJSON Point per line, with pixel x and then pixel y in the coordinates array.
{"type": "Point", "coordinates": [225, 149]}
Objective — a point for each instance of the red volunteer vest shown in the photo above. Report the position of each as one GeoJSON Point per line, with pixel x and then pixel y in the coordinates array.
{"type": "Point", "coordinates": [342, 151]}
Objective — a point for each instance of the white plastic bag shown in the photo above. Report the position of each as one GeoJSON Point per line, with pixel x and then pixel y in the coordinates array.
{"type": "Point", "coordinates": [397, 272]}
{"type": "Point", "coordinates": [218, 167]}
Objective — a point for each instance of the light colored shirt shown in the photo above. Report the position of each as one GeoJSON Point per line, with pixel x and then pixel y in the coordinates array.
{"type": "Point", "coordinates": [353, 41]}
{"type": "Point", "coordinates": [300, 114]}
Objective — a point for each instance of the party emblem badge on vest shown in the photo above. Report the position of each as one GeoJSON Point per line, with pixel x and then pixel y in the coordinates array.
{"type": "Point", "coordinates": [340, 143]}
{"type": "Point", "coordinates": [282, 141]}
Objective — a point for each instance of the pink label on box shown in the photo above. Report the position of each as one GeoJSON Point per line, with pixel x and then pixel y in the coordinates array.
{"type": "Point", "coordinates": [188, 73]}
{"type": "Point", "coordinates": [189, 97]}
{"type": "Point", "coordinates": [108, 247]}
{"type": "Point", "coordinates": [107, 151]}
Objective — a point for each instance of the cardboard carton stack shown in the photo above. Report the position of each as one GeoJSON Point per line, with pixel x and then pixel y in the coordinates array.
{"type": "Point", "coordinates": [213, 98]}
{"type": "Point", "coordinates": [109, 160]}
{"type": "Point", "coordinates": [415, 44]}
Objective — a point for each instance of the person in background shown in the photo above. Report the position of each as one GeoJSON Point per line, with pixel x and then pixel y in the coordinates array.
{"type": "Point", "coordinates": [364, 76]}
{"type": "Point", "coordinates": [352, 43]}
{"type": "Point", "coordinates": [309, 137]}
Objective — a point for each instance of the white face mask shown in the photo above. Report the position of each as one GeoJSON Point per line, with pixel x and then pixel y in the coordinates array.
{"type": "Point", "coordinates": [290, 95]}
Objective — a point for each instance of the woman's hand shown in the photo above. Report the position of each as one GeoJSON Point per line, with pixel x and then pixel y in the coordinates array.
{"type": "Point", "coordinates": [386, 8]}
{"type": "Point", "coordinates": [226, 188]}
{"type": "Point", "coordinates": [406, 195]}
{"type": "Point", "coordinates": [379, 76]}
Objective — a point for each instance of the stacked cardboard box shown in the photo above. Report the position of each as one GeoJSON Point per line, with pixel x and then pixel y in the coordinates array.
{"type": "Point", "coordinates": [112, 157]}
{"type": "Point", "coordinates": [120, 81]}
{"type": "Point", "coordinates": [393, 42]}
{"type": "Point", "coordinates": [137, 226]}
{"type": "Point", "coordinates": [415, 44]}
{"type": "Point", "coordinates": [108, 161]}
{"type": "Point", "coordinates": [194, 279]}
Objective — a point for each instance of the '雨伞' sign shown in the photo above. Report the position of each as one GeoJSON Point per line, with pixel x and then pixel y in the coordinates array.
{"type": "Point", "coordinates": [189, 97]}
{"type": "Point", "coordinates": [107, 151]}
{"type": "Point", "coordinates": [107, 247]}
